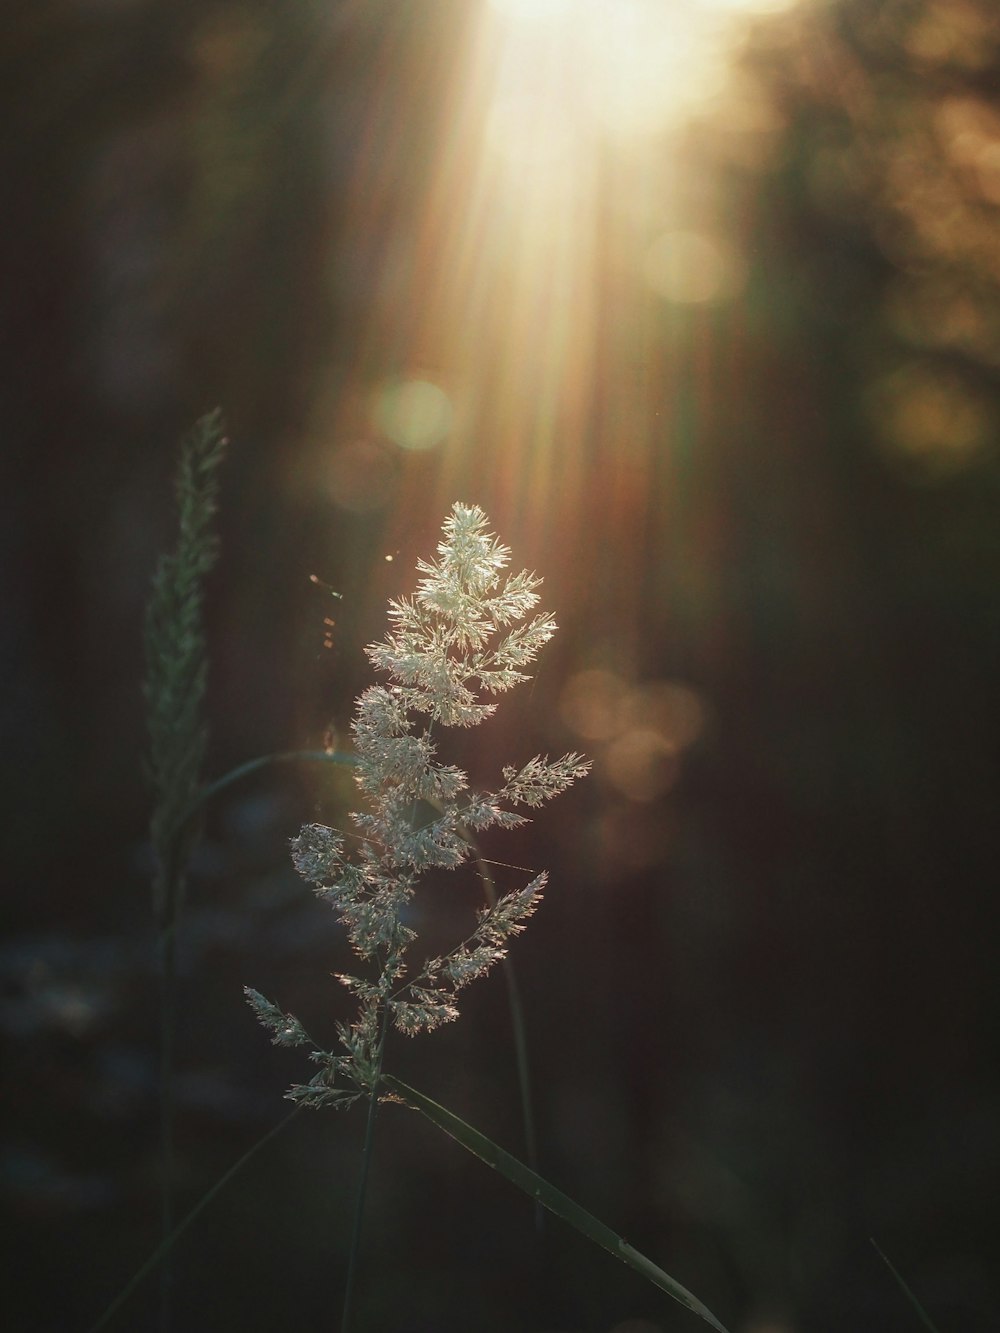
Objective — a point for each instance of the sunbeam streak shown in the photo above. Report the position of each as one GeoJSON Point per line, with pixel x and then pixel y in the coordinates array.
{"type": "Point", "coordinates": [523, 345]}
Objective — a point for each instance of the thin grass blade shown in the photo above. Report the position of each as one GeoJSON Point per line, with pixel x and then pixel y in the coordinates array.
{"type": "Point", "coordinates": [554, 1200]}
{"type": "Point", "coordinates": [922, 1314]}
{"type": "Point", "coordinates": [518, 1031]}
{"type": "Point", "coordinates": [167, 1244]}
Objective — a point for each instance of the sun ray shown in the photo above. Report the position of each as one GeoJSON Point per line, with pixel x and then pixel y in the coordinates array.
{"type": "Point", "coordinates": [521, 351]}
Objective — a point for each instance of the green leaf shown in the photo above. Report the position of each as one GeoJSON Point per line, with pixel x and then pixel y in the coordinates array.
{"type": "Point", "coordinates": [554, 1200]}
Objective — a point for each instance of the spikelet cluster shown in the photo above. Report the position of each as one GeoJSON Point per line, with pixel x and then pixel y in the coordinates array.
{"type": "Point", "coordinates": [467, 634]}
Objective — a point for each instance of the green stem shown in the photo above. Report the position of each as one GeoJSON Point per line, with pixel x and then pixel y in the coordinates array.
{"type": "Point", "coordinates": [523, 1078]}
{"type": "Point", "coordinates": [252, 765]}
{"type": "Point", "coordinates": [516, 1015]}
{"type": "Point", "coordinates": [174, 872]}
{"type": "Point", "coordinates": [168, 999]}
{"type": "Point", "coordinates": [519, 1033]}
{"type": "Point", "coordinates": [359, 1207]}
{"type": "Point", "coordinates": [922, 1314]}
{"type": "Point", "coordinates": [167, 1244]}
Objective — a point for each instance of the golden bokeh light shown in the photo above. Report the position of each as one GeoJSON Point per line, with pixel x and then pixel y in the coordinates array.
{"type": "Point", "coordinates": [413, 413]}
{"type": "Point", "coordinates": [691, 268]}
{"type": "Point", "coordinates": [674, 711]}
{"type": "Point", "coordinates": [592, 704]}
{"type": "Point", "coordinates": [641, 763]}
{"type": "Point", "coordinates": [942, 32]}
{"type": "Point", "coordinates": [929, 419]}
{"type": "Point", "coordinates": [644, 728]}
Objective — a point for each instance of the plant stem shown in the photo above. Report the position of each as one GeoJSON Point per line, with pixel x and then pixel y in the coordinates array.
{"type": "Point", "coordinates": [922, 1314]}
{"type": "Point", "coordinates": [174, 871]}
{"type": "Point", "coordinates": [519, 1033]}
{"type": "Point", "coordinates": [167, 1013]}
{"type": "Point", "coordinates": [166, 1245]}
{"type": "Point", "coordinates": [252, 765]}
{"type": "Point", "coordinates": [359, 1208]}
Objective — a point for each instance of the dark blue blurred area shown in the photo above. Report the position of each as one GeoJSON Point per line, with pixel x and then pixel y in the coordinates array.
{"type": "Point", "coordinates": [761, 993]}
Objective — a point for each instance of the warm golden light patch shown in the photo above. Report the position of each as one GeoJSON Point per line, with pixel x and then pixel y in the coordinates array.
{"type": "Point", "coordinates": [415, 414]}
{"type": "Point", "coordinates": [673, 710]}
{"type": "Point", "coordinates": [641, 764]}
{"type": "Point", "coordinates": [532, 10]}
{"type": "Point", "coordinates": [645, 728]}
{"type": "Point", "coordinates": [649, 60]}
{"type": "Point", "coordinates": [750, 8]}
{"type": "Point", "coordinates": [930, 418]}
{"type": "Point", "coordinates": [592, 702]}
{"type": "Point", "coordinates": [558, 205]}
{"type": "Point", "coordinates": [530, 128]}
{"type": "Point", "coordinates": [604, 67]}
{"type": "Point", "coordinates": [691, 268]}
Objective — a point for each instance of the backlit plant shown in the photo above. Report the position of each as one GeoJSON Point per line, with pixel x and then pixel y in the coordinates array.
{"type": "Point", "coordinates": [467, 634]}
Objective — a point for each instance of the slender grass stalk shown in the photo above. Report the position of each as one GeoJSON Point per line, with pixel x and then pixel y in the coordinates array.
{"type": "Point", "coordinates": [167, 942]}
{"type": "Point", "coordinates": [523, 1076]}
{"type": "Point", "coordinates": [519, 1032]}
{"type": "Point", "coordinates": [174, 689]}
{"type": "Point", "coordinates": [168, 1015]}
{"type": "Point", "coordinates": [176, 670]}
{"type": "Point", "coordinates": [159, 1255]}
{"type": "Point", "coordinates": [254, 766]}
{"type": "Point", "coordinates": [359, 1211]}
{"type": "Point", "coordinates": [359, 1206]}
{"type": "Point", "coordinates": [922, 1314]}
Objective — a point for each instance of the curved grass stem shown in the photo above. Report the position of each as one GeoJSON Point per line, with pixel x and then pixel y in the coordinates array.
{"type": "Point", "coordinates": [253, 765]}
{"type": "Point", "coordinates": [156, 1259]}
{"type": "Point", "coordinates": [172, 875]}
{"type": "Point", "coordinates": [922, 1314]}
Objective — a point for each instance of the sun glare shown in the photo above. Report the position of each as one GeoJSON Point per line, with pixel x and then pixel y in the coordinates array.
{"type": "Point", "coordinates": [618, 67]}
{"type": "Point", "coordinates": [557, 233]}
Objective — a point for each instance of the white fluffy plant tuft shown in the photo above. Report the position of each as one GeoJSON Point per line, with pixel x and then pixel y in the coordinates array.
{"type": "Point", "coordinates": [465, 634]}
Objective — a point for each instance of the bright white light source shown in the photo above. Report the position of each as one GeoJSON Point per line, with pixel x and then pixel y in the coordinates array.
{"type": "Point", "coordinates": [644, 61]}
{"type": "Point", "coordinates": [621, 67]}
{"type": "Point", "coordinates": [748, 7]}
{"type": "Point", "coordinates": [532, 10]}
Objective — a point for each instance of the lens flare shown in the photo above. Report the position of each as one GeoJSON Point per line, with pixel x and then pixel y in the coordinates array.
{"type": "Point", "coordinates": [690, 268]}
{"type": "Point", "coordinates": [415, 414]}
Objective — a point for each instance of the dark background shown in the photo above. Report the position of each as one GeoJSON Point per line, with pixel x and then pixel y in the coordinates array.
{"type": "Point", "coordinates": [761, 994]}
